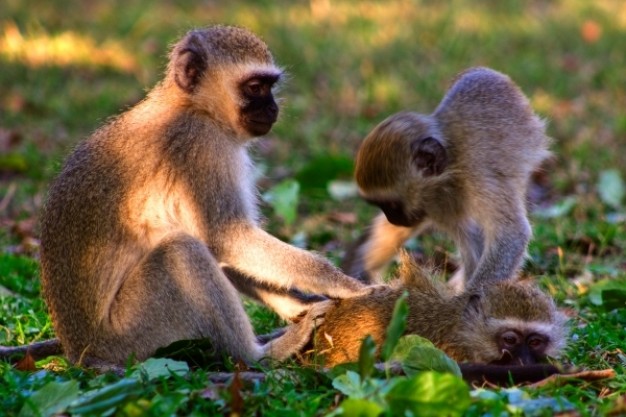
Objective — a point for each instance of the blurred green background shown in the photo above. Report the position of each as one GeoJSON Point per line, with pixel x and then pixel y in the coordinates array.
{"type": "Point", "coordinates": [65, 66]}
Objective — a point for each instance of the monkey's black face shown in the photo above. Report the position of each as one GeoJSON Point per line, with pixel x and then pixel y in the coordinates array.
{"type": "Point", "coordinates": [260, 110]}
{"type": "Point", "coordinates": [396, 213]}
{"type": "Point", "coordinates": [520, 349]}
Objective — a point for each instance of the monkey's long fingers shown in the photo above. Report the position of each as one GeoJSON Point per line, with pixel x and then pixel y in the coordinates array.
{"type": "Point", "coordinates": [318, 311]}
{"type": "Point", "coordinates": [377, 290]}
{"type": "Point", "coordinates": [266, 338]}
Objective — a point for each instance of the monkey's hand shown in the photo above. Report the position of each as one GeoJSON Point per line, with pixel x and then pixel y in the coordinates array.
{"type": "Point", "coordinates": [377, 291]}
{"type": "Point", "coordinates": [315, 313]}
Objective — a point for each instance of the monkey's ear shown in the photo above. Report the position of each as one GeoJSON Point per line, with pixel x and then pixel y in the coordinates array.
{"type": "Point", "coordinates": [429, 156]}
{"type": "Point", "coordinates": [474, 307]}
{"type": "Point", "coordinates": [190, 63]}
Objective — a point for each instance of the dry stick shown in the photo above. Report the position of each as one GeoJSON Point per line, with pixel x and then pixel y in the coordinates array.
{"type": "Point", "coordinates": [588, 376]}
{"type": "Point", "coordinates": [8, 196]}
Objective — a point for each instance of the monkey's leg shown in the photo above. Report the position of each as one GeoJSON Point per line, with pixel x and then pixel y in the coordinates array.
{"type": "Point", "coordinates": [178, 292]}
{"type": "Point", "coordinates": [288, 304]}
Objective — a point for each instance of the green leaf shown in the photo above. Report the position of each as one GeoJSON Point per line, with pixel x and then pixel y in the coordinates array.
{"type": "Point", "coordinates": [396, 326]}
{"type": "Point", "coordinates": [611, 188]}
{"type": "Point", "coordinates": [417, 354]}
{"type": "Point", "coordinates": [155, 368]}
{"type": "Point", "coordinates": [53, 398]}
{"type": "Point", "coordinates": [367, 357]}
{"type": "Point", "coordinates": [283, 198]}
{"type": "Point", "coordinates": [101, 401]}
{"type": "Point", "coordinates": [353, 407]}
{"type": "Point", "coordinates": [349, 384]}
{"type": "Point", "coordinates": [429, 394]}
{"type": "Point", "coordinates": [407, 343]}
{"type": "Point", "coordinates": [429, 359]}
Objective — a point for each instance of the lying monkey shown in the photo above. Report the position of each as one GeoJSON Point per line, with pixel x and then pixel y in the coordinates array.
{"type": "Point", "coordinates": [504, 323]}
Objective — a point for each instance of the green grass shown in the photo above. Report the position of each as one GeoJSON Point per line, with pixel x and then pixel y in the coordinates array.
{"type": "Point", "coordinates": [66, 68]}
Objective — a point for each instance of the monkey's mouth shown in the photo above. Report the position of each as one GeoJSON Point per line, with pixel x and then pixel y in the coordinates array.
{"type": "Point", "coordinates": [259, 127]}
{"type": "Point", "coordinates": [509, 359]}
{"type": "Point", "coordinates": [401, 219]}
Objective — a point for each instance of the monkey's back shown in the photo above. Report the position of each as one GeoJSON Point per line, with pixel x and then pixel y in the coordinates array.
{"type": "Point", "coordinates": [432, 314]}
{"type": "Point", "coordinates": [490, 126]}
{"type": "Point", "coordinates": [121, 192]}
{"type": "Point", "coordinates": [81, 238]}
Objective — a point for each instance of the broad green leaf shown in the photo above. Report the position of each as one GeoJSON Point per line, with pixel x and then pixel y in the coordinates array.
{"type": "Point", "coordinates": [417, 354]}
{"type": "Point", "coordinates": [367, 357]}
{"type": "Point", "coordinates": [429, 394]}
{"type": "Point", "coordinates": [53, 398]}
{"type": "Point", "coordinates": [396, 326]}
{"type": "Point", "coordinates": [154, 368]}
{"type": "Point", "coordinates": [283, 198]}
{"type": "Point", "coordinates": [349, 384]}
{"type": "Point", "coordinates": [407, 343]}
{"type": "Point", "coordinates": [429, 359]}
{"type": "Point", "coordinates": [611, 188]}
{"type": "Point", "coordinates": [356, 407]}
{"type": "Point", "coordinates": [102, 401]}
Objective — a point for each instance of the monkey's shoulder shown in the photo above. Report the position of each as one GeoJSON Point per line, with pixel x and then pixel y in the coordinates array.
{"type": "Point", "coordinates": [483, 92]}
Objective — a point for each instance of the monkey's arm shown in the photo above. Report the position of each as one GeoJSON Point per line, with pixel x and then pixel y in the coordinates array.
{"type": "Point", "coordinates": [264, 258]}
{"type": "Point", "coordinates": [504, 250]}
{"type": "Point", "coordinates": [287, 303]}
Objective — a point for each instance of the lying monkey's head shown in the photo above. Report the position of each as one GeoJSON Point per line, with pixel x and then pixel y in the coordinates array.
{"type": "Point", "coordinates": [513, 322]}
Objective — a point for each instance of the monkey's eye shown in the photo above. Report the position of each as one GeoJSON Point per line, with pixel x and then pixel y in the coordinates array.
{"type": "Point", "coordinates": [254, 88]}
{"type": "Point", "coordinates": [536, 342]}
{"type": "Point", "coordinates": [509, 339]}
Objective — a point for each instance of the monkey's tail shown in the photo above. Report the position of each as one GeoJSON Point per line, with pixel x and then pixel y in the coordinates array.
{"type": "Point", "coordinates": [37, 350]}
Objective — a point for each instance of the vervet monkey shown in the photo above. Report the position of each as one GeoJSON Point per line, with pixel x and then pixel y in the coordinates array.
{"type": "Point", "coordinates": [464, 169]}
{"type": "Point", "coordinates": [149, 211]}
{"type": "Point", "coordinates": [508, 322]}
